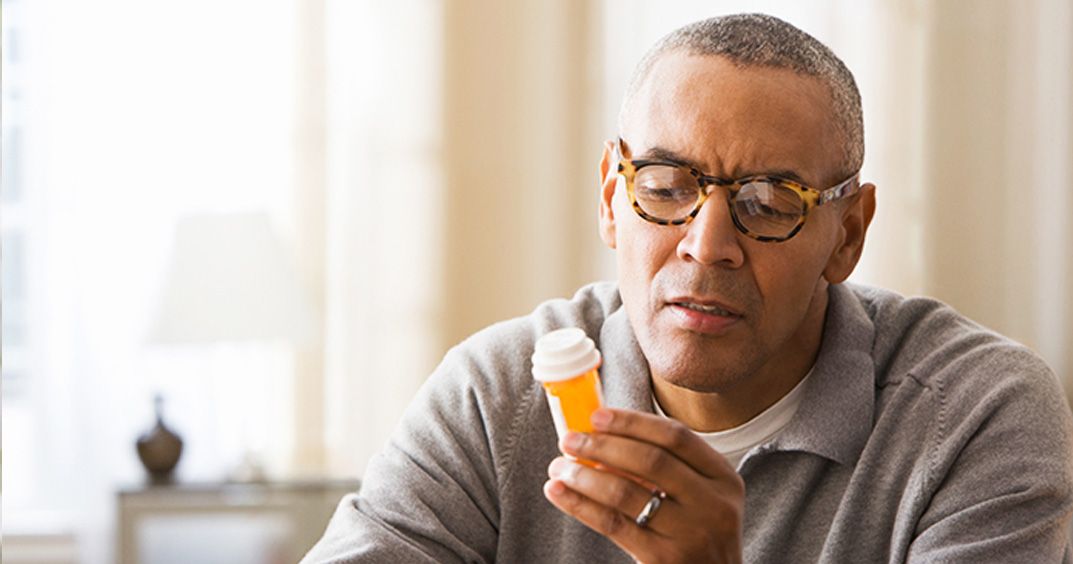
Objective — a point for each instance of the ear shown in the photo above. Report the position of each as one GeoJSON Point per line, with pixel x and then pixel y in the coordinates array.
{"type": "Point", "coordinates": [608, 182]}
{"type": "Point", "coordinates": [856, 217]}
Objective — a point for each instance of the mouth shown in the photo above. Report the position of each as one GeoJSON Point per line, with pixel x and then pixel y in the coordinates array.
{"type": "Point", "coordinates": [704, 316]}
{"type": "Point", "coordinates": [709, 309]}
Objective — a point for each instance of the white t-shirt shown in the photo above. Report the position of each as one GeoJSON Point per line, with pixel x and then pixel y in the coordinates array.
{"type": "Point", "coordinates": [734, 443]}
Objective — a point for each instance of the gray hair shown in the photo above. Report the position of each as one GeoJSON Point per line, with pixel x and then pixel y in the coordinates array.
{"type": "Point", "coordinates": [766, 41]}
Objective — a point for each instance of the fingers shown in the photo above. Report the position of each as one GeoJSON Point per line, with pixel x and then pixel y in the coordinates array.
{"type": "Point", "coordinates": [608, 522]}
{"type": "Point", "coordinates": [606, 488]}
{"type": "Point", "coordinates": [650, 464]}
{"type": "Point", "coordinates": [665, 433]}
{"type": "Point", "coordinates": [611, 483]}
{"type": "Point", "coordinates": [655, 450]}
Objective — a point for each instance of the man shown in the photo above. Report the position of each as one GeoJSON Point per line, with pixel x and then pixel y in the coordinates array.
{"type": "Point", "coordinates": [781, 415]}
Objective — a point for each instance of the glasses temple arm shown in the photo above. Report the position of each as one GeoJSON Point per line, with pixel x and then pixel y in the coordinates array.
{"type": "Point", "coordinates": [843, 189]}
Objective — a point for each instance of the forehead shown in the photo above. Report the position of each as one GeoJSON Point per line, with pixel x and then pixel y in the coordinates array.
{"type": "Point", "coordinates": [733, 120]}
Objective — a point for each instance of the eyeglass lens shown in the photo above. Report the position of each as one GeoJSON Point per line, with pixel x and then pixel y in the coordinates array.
{"type": "Point", "coordinates": [763, 207]}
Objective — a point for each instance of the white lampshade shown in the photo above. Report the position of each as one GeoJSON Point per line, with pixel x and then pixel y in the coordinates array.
{"type": "Point", "coordinates": [230, 280]}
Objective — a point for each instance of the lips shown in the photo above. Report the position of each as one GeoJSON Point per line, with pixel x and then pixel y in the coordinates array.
{"type": "Point", "coordinates": [703, 315]}
{"type": "Point", "coordinates": [706, 305]}
{"type": "Point", "coordinates": [714, 310]}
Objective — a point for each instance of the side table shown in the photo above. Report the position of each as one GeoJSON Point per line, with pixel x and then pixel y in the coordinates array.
{"type": "Point", "coordinates": [233, 522]}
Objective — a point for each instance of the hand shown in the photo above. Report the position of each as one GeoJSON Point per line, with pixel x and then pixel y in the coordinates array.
{"type": "Point", "coordinates": [700, 520]}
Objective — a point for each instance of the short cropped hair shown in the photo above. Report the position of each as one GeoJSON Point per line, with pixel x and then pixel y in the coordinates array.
{"type": "Point", "coordinates": [766, 41]}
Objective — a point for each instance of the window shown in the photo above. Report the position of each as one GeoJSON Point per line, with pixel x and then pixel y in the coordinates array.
{"type": "Point", "coordinates": [118, 118]}
{"type": "Point", "coordinates": [17, 242]}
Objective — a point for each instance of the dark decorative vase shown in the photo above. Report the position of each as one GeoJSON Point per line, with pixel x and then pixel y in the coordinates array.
{"type": "Point", "coordinates": [159, 448]}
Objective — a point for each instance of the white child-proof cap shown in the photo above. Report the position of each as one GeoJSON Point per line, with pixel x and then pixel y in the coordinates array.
{"type": "Point", "coordinates": [564, 354]}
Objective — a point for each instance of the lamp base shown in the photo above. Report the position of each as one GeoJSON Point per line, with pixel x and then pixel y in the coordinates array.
{"type": "Point", "coordinates": [159, 448]}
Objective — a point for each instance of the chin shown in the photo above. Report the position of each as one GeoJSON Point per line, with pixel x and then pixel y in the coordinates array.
{"type": "Point", "coordinates": [703, 375]}
{"type": "Point", "coordinates": [701, 383]}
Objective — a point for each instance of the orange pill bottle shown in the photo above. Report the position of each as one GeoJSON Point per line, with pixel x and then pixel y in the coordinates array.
{"type": "Point", "coordinates": [566, 363]}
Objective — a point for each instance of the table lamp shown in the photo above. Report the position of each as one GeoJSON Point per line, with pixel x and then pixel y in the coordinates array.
{"type": "Point", "coordinates": [230, 281]}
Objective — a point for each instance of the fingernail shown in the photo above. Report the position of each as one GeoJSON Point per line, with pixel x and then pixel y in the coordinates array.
{"type": "Point", "coordinates": [601, 418]}
{"type": "Point", "coordinates": [553, 468]}
{"type": "Point", "coordinates": [554, 487]}
{"type": "Point", "coordinates": [563, 469]}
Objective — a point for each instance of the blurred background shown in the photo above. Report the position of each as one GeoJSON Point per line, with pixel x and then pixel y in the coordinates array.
{"type": "Point", "coordinates": [277, 215]}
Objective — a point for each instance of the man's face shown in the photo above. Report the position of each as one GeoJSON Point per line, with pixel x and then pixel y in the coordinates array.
{"type": "Point", "coordinates": [710, 306]}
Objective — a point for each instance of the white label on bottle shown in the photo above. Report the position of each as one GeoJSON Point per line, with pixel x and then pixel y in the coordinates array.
{"type": "Point", "coordinates": [556, 414]}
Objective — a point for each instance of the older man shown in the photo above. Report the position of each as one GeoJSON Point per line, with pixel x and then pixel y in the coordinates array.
{"type": "Point", "coordinates": [781, 414]}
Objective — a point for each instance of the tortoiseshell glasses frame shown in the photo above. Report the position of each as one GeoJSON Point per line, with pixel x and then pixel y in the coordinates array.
{"type": "Point", "coordinates": [784, 223]}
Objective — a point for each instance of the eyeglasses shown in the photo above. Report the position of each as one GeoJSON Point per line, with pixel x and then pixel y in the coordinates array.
{"type": "Point", "coordinates": [765, 208]}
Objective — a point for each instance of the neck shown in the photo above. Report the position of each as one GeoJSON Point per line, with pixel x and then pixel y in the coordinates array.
{"type": "Point", "coordinates": [709, 412]}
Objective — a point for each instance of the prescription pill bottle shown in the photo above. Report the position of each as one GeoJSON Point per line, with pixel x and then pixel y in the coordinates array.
{"type": "Point", "coordinates": [565, 363]}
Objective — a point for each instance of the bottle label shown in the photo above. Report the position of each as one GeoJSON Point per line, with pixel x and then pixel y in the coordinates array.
{"type": "Point", "coordinates": [556, 413]}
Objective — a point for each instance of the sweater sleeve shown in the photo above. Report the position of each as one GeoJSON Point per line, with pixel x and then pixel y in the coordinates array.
{"type": "Point", "coordinates": [431, 494]}
{"type": "Point", "coordinates": [1001, 471]}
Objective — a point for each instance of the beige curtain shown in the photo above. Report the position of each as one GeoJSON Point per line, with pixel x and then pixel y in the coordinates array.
{"type": "Point", "coordinates": [998, 159]}
{"type": "Point", "coordinates": [449, 182]}
{"type": "Point", "coordinates": [521, 149]}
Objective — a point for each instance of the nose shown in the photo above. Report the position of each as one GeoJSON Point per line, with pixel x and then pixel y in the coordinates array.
{"type": "Point", "coordinates": [711, 238]}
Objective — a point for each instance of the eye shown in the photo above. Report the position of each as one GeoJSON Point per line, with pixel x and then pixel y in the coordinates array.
{"type": "Point", "coordinates": [767, 208]}
{"type": "Point", "coordinates": [757, 208]}
{"type": "Point", "coordinates": [668, 194]}
{"type": "Point", "coordinates": [659, 183]}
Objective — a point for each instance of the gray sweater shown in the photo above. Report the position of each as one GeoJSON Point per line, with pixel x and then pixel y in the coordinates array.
{"type": "Point", "coordinates": [921, 437]}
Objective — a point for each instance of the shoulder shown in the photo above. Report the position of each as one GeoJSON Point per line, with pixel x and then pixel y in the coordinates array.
{"type": "Point", "coordinates": [507, 346]}
{"type": "Point", "coordinates": [960, 383]}
{"type": "Point", "coordinates": [440, 484]}
{"type": "Point", "coordinates": [485, 382]}
{"type": "Point", "coordinates": [929, 341]}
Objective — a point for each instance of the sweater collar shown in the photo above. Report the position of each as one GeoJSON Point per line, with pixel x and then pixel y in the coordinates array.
{"type": "Point", "coordinates": [624, 375]}
{"type": "Point", "coordinates": [834, 419]}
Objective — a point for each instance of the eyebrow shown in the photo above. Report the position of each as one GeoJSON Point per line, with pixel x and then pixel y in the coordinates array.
{"type": "Point", "coordinates": [663, 154]}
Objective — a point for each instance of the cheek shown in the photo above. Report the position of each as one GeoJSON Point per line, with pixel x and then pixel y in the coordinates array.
{"type": "Point", "coordinates": [786, 281]}
{"type": "Point", "coordinates": [636, 266]}
{"type": "Point", "coordinates": [642, 249]}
